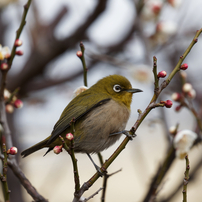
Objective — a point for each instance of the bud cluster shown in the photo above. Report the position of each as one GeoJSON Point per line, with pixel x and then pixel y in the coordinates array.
{"type": "Point", "coordinates": [11, 101]}
{"type": "Point", "coordinates": [58, 149]}
{"type": "Point", "coordinates": [187, 92]}
{"type": "Point", "coordinates": [4, 55]}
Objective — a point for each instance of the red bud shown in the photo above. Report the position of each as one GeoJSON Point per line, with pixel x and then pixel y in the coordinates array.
{"type": "Point", "coordinates": [18, 103]}
{"type": "Point", "coordinates": [18, 42]}
{"type": "Point", "coordinates": [184, 66]}
{"type": "Point", "coordinates": [4, 66]}
{"type": "Point", "coordinates": [12, 151]}
{"type": "Point", "coordinates": [79, 54]}
{"type": "Point", "coordinates": [19, 52]}
{"type": "Point", "coordinates": [162, 74]}
{"type": "Point", "coordinates": [168, 103]}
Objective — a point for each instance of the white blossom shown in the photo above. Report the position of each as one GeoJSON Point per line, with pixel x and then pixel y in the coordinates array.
{"type": "Point", "coordinates": [183, 142]}
{"type": "Point", "coordinates": [79, 90]}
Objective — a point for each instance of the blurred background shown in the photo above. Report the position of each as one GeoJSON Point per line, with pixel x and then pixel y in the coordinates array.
{"type": "Point", "coordinates": [120, 37]}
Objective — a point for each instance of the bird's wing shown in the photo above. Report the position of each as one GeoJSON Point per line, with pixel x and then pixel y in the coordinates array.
{"type": "Point", "coordinates": [76, 109]}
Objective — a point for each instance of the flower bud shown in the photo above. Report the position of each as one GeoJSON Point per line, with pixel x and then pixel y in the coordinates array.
{"type": "Point", "coordinates": [18, 42]}
{"type": "Point", "coordinates": [172, 130]}
{"type": "Point", "coordinates": [162, 74]}
{"type": "Point", "coordinates": [187, 87]}
{"type": "Point", "coordinates": [57, 149]}
{"type": "Point", "coordinates": [184, 66]}
{"type": "Point", "coordinates": [19, 52]}
{"type": "Point", "coordinates": [191, 94]}
{"type": "Point", "coordinates": [79, 90]}
{"type": "Point", "coordinates": [4, 66]}
{"type": "Point", "coordinates": [79, 54]}
{"type": "Point", "coordinates": [18, 103]}
{"type": "Point", "coordinates": [9, 108]}
{"type": "Point", "coordinates": [7, 94]}
{"type": "Point", "coordinates": [12, 151]}
{"type": "Point", "coordinates": [168, 103]}
{"type": "Point", "coordinates": [176, 96]}
{"type": "Point", "coordinates": [69, 136]}
{"type": "Point", "coordinates": [177, 109]}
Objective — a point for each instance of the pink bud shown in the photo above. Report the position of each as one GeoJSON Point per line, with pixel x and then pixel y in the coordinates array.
{"type": "Point", "coordinates": [79, 54]}
{"type": "Point", "coordinates": [19, 52]}
{"type": "Point", "coordinates": [12, 151]}
{"type": "Point", "coordinates": [176, 96]}
{"type": "Point", "coordinates": [168, 103]}
{"type": "Point", "coordinates": [57, 149]}
{"type": "Point", "coordinates": [156, 9]}
{"type": "Point", "coordinates": [191, 94]}
{"type": "Point", "coordinates": [69, 136]}
{"type": "Point", "coordinates": [9, 108]}
{"type": "Point", "coordinates": [4, 66]}
{"type": "Point", "coordinates": [18, 103]}
{"type": "Point", "coordinates": [162, 74]}
{"type": "Point", "coordinates": [177, 109]}
{"type": "Point", "coordinates": [187, 87]}
{"type": "Point", "coordinates": [18, 42]}
{"type": "Point", "coordinates": [184, 66]}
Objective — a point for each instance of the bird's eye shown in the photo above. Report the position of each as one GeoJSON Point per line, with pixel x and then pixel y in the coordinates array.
{"type": "Point", "coordinates": [117, 88]}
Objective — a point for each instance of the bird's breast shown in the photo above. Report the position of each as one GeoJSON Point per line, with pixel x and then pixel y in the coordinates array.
{"type": "Point", "coordinates": [93, 134]}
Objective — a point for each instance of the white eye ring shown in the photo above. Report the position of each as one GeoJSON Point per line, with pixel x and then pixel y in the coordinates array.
{"type": "Point", "coordinates": [117, 88]}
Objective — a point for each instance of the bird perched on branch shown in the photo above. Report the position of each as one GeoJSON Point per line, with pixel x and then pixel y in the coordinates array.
{"type": "Point", "coordinates": [100, 113]}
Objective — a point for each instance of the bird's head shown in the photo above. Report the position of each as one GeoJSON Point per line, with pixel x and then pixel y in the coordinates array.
{"type": "Point", "coordinates": [118, 87]}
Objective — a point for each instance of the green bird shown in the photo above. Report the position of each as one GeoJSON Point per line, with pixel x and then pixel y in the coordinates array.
{"type": "Point", "coordinates": [100, 113]}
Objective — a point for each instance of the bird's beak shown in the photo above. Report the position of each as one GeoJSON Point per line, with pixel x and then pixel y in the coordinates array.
{"type": "Point", "coordinates": [133, 90]}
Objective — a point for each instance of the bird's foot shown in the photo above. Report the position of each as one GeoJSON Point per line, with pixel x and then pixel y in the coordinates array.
{"type": "Point", "coordinates": [98, 169]}
{"type": "Point", "coordinates": [125, 132]}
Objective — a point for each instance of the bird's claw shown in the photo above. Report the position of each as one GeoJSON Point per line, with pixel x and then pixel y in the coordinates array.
{"type": "Point", "coordinates": [100, 172]}
{"type": "Point", "coordinates": [125, 132]}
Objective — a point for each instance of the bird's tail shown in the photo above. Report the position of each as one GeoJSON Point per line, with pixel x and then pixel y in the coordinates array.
{"type": "Point", "coordinates": [34, 148]}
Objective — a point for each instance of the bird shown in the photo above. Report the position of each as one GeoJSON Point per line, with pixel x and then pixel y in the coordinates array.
{"type": "Point", "coordinates": [100, 116]}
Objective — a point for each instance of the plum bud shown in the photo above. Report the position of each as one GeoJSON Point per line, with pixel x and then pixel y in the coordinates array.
{"type": "Point", "coordinates": [79, 54]}
{"type": "Point", "coordinates": [19, 52]}
{"type": "Point", "coordinates": [168, 103]}
{"type": "Point", "coordinates": [4, 66]}
{"type": "Point", "coordinates": [18, 103]}
{"type": "Point", "coordinates": [187, 87]}
{"type": "Point", "coordinates": [176, 96]}
{"type": "Point", "coordinates": [162, 74]}
{"type": "Point", "coordinates": [69, 136]}
{"type": "Point", "coordinates": [12, 151]}
{"type": "Point", "coordinates": [57, 149]}
{"type": "Point", "coordinates": [184, 66]}
{"type": "Point", "coordinates": [18, 42]}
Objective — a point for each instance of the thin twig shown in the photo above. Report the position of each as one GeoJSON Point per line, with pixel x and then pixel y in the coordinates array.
{"type": "Point", "coordinates": [84, 64]}
{"type": "Point", "coordinates": [100, 189]}
{"type": "Point", "coordinates": [19, 31]}
{"type": "Point", "coordinates": [106, 176]}
{"type": "Point", "coordinates": [186, 179]}
{"type": "Point", "coordinates": [6, 191]}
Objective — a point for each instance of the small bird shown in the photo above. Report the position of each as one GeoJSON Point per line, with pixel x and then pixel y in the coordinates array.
{"type": "Point", "coordinates": [100, 113]}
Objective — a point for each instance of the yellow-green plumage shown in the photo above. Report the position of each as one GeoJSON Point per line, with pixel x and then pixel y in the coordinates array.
{"type": "Point", "coordinates": [99, 111]}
